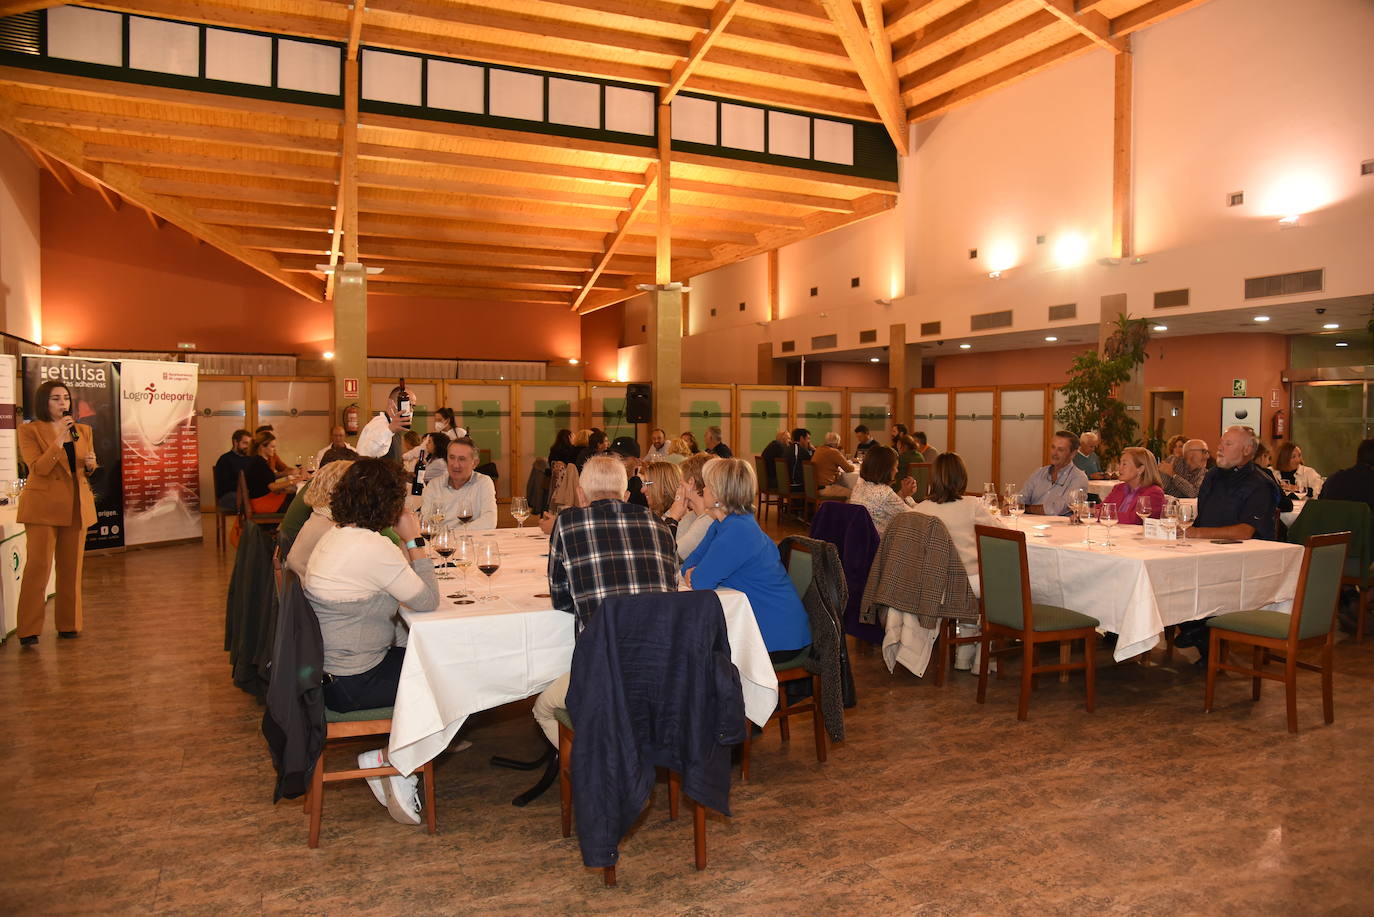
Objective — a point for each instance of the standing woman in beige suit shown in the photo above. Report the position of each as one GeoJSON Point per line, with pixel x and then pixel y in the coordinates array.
{"type": "Point", "coordinates": [56, 507]}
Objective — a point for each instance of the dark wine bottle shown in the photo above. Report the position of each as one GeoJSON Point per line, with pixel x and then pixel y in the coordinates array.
{"type": "Point", "coordinates": [403, 400]}
{"type": "Point", "coordinates": [417, 486]}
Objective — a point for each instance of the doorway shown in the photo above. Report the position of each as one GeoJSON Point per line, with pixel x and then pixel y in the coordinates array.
{"type": "Point", "coordinates": [1166, 414]}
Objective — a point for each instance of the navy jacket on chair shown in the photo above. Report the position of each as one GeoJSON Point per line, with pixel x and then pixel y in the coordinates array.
{"type": "Point", "coordinates": [294, 722]}
{"type": "Point", "coordinates": [652, 686]}
{"type": "Point", "coordinates": [849, 527]}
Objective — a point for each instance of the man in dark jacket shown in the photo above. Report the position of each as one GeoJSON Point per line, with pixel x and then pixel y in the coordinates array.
{"type": "Point", "coordinates": [800, 451]}
{"type": "Point", "coordinates": [1355, 483]}
{"type": "Point", "coordinates": [775, 450]}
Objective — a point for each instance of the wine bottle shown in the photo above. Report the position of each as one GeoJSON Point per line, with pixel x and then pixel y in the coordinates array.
{"type": "Point", "coordinates": [403, 400]}
{"type": "Point", "coordinates": [417, 486]}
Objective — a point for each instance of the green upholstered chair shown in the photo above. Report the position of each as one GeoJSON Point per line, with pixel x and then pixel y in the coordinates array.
{"type": "Point", "coordinates": [1321, 517]}
{"type": "Point", "coordinates": [343, 728]}
{"type": "Point", "coordinates": [1279, 636]}
{"type": "Point", "coordinates": [811, 493]}
{"type": "Point", "coordinates": [800, 568]}
{"type": "Point", "coordinates": [768, 496]}
{"type": "Point", "coordinates": [565, 740]}
{"type": "Point", "coordinates": [785, 493]}
{"type": "Point", "coordinates": [921, 472]}
{"type": "Point", "coordinates": [1009, 613]}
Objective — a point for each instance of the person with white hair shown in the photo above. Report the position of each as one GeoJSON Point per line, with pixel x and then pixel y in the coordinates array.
{"type": "Point", "coordinates": [829, 463]}
{"type": "Point", "coordinates": [603, 546]}
{"type": "Point", "coordinates": [1237, 498]}
{"type": "Point", "coordinates": [1085, 456]}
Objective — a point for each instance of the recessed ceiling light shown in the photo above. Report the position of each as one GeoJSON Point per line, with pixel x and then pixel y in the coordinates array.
{"type": "Point", "coordinates": [54, 348]}
{"type": "Point", "coordinates": [329, 354]}
{"type": "Point", "coordinates": [1051, 338]}
{"type": "Point", "coordinates": [875, 359]}
{"type": "Point", "coordinates": [572, 362]}
{"type": "Point", "coordinates": [1331, 326]}
{"type": "Point", "coordinates": [965, 346]}
{"type": "Point", "coordinates": [1342, 343]}
{"type": "Point", "coordinates": [1160, 328]}
{"type": "Point", "coordinates": [1261, 318]}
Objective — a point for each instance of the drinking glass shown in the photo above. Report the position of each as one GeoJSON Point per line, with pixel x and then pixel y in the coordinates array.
{"type": "Point", "coordinates": [488, 561]}
{"type": "Point", "coordinates": [990, 490]}
{"type": "Point", "coordinates": [1106, 514]}
{"type": "Point", "coordinates": [1017, 504]}
{"type": "Point", "coordinates": [465, 512]}
{"type": "Point", "coordinates": [1076, 496]}
{"type": "Point", "coordinates": [519, 511]}
{"type": "Point", "coordinates": [463, 555]}
{"type": "Point", "coordinates": [1169, 519]}
{"type": "Point", "coordinates": [1085, 516]}
{"type": "Point", "coordinates": [1187, 512]}
{"type": "Point", "coordinates": [1143, 506]}
{"type": "Point", "coordinates": [444, 546]}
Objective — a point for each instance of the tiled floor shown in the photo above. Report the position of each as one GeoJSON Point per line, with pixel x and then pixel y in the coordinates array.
{"type": "Point", "coordinates": [137, 782]}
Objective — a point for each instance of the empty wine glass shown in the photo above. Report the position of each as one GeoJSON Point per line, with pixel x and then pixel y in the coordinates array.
{"type": "Point", "coordinates": [1169, 519]}
{"type": "Point", "coordinates": [519, 511]}
{"type": "Point", "coordinates": [1017, 504]}
{"type": "Point", "coordinates": [1106, 515]}
{"type": "Point", "coordinates": [488, 561]}
{"type": "Point", "coordinates": [1084, 509]}
{"type": "Point", "coordinates": [1076, 496]}
{"type": "Point", "coordinates": [464, 554]}
{"type": "Point", "coordinates": [1143, 507]}
{"type": "Point", "coordinates": [1187, 513]}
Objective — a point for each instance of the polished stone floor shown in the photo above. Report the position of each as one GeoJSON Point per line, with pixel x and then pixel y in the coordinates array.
{"type": "Point", "coordinates": [137, 782]}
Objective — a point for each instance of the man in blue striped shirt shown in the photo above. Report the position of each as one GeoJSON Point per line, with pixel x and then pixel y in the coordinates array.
{"type": "Point", "coordinates": [1047, 490]}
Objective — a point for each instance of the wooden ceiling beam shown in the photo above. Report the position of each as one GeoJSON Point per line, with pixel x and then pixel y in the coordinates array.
{"type": "Point", "coordinates": [742, 172]}
{"type": "Point", "coordinates": [880, 80]}
{"type": "Point", "coordinates": [947, 26]}
{"type": "Point", "coordinates": [486, 255]}
{"type": "Point", "coordinates": [430, 185]}
{"type": "Point", "coordinates": [111, 199]}
{"type": "Point", "coordinates": [1091, 24]}
{"type": "Point", "coordinates": [744, 192]}
{"type": "Point", "coordinates": [616, 239]}
{"type": "Point", "coordinates": [154, 219]}
{"type": "Point", "coordinates": [56, 170]}
{"type": "Point", "coordinates": [344, 239]}
{"type": "Point", "coordinates": [17, 7]}
{"type": "Point", "coordinates": [410, 155]}
{"type": "Point", "coordinates": [997, 79]}
{"type": "Point", "coordinates": [174, 130]}
{"type": "Point", "coordinates": [551, 238]}
{"type": "Point", "coordinates": [721, 14]}
{"type": "Point", "coordinates": [608, 298]}
{"type": "Point", "coordinates": [970, 54]}
{"type": "Point", "coordinates": [72, 151]}
{"type": "Point", "coordinates": [1150, 14]}
{"type": "Point", "coordinates": [877, 37]}
{"type": "Point", "coordinates": [535, 143]}
{"type": "Point", "coordinates": [297, 219]}
{"type": "Point", "coordinates": [241, 15]}
{"type": "Point", "coordinates": [776, 40]}
{"type": "Point", "coordinates": [380, 286]}
{"type": "Point", "coordinates": [762, 91]}
{"type": "Point", "coordinates": [670, 14]}
{"type": "Point", "coordinates": [133, 156]}
{"type": "Point", "coordinates": [248, 194]}
{"type": "Point", "coordinates": [275, 240]}
{"type": "Point", "coordinates": [536, 281]}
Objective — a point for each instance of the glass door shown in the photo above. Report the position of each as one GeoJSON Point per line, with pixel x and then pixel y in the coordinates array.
{"type": "Point", "coordinates": [1329, 420]}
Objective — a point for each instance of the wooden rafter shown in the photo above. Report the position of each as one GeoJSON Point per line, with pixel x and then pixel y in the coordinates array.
{"type": "Point", "coordinates": [880, 81]}
{"type": "Point", "coordinates": [616, 239]}
{"type": "Point", "coordinates": [877, 36]}
{"type": "Point", "coordinates": [56, 170]}
{"type": "Point", "coordinates": [663, 240]}
{"type": "Point", "coordinates": [1122, 144]}
{"type": "Point", "coordinates": [344, 235]}
{"type": "Point", "coordinates": [156, 221]}
{"type": "Point", "coordinates": [947, 26]}
{"type": "Point", "coordinates": [977, 50]}
{"type": "Point", "coordinates": [997, 79]}
{"type": "Point", "coordinates": [71, 151]}
{"type": "Point", "coordinates": [1091, 23]}
{"type": "Point", "coordinates": [111, 199]}
{"type": "Point", "coordinates": [721, 14]}
{"type": "Point", "coordinates": [1150, 14]}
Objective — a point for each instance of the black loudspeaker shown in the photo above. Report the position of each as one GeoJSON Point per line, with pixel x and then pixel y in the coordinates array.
{"type": "Point", "coordinates": [639, 402]}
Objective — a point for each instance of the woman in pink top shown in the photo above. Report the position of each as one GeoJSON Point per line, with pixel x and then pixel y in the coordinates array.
{"type": "Point", "coordinates": [1139, 479]}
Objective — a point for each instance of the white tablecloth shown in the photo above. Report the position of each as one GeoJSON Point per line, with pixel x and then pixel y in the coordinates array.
{"type": "Point", "coordinates": [462, 659]}
{"type": "Point", "coordinates": [1102, 488]}
{"type": "Point", "coordinates": [1138, 587]}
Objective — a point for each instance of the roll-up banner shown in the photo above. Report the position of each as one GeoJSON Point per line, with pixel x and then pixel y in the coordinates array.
{"type": "Point", "coordinates": [160, 451]}
{"type": "Point", "coordinates": [94, 385]}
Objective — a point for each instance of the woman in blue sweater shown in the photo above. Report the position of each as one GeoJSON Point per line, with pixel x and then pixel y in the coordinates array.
{"type": "Point", "coordinates": [736, 554]}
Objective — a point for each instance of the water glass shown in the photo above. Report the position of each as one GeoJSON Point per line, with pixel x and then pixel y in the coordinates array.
{"type": "Point", "coordinates": [519, 511]}
{"type": "Point", "coordinates": [1169, 519]}
{"type": "Point", "coordinates": [1084, 509]}
{"type": "Point", "coordinates": [1143, 506]}
{"type": "Point", "coordinates": [1187, 513]}
{"type": "Point", "coordinates": [1106, 514]}
{"type": "Point", "coordinates": [1016, 503]}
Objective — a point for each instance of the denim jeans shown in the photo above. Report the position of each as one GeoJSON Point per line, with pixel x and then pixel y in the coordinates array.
{"type": "Point", "coordinates": [374, 688]}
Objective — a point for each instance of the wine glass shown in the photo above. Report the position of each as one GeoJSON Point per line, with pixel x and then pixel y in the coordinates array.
{"type": "Point", "coordinates": [465, 512]}
{"type": "Point", "coordinates": [1085, 516]}
{"type": "Point", "coordinates": [1106, 514]}
{"type": "Point", "coordinates": [488, 561]}
{"type": "Point", "coordinates": [1143, 507]}
{"type": "Point", "coordinates": [1017, 504]}
{"type": "Point", "coordinates": [990, 490]}
{"type": "Point", "coordinates": [519, 511]}
{"type": "Point", "coordinates": [463, 555]}
{"type": "Point", "coordinates": [1187, 513]}
{"type": "Point", "coordinates": [1076, 496]}
{"type": "Point", "coordinates": [444, 546]}
{"type": "Point", "coordinates": [1169, 519]}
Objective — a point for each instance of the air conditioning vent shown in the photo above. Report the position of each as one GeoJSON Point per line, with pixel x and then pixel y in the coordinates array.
{"type": "Point", "coordinates": [20, 34]}
{"type": "Point", "coordinates": [822, 341]}
{"type": "Point", "coordinates": [1169, 299]}
{"type": "Point", "coordinates": [1367, 167]}
{"type": "Point", "coordinates": [1235, 199]}
{"type": "Point", "coordinates": [1060, 313]}
{"type": "Point", "coordinates": [868, 337]}
{"type": "Point", "coordinates": [789, 346]}
{"type": "Point", "coordinates": [988, 320]}
{"type": "Point", "coordinates": [1284, 284]}
{"type": "Point", "coordinates": [929, 328]}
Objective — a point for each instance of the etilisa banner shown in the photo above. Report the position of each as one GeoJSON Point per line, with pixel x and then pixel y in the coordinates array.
{"type": "Point", "coordinates": [160, 451]}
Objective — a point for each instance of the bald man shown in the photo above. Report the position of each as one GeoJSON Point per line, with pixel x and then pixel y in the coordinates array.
{"type": "Point", "coordinates": [1183, 480]}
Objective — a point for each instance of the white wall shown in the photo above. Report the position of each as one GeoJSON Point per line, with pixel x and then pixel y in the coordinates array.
{"type": "Point", "coordinates": [1233, 95]}
{"type": "Point", "coordinates": [20, 278]}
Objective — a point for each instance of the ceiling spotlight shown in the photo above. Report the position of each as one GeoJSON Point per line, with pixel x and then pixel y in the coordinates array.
{"type": "Point", "coordinates": [883, 302]}
{"type": "Point", "coordinates": [965, 346]}
{"type": "Point", "coordinates": [1331, 326]}
{"type": "Point", "coordinates": [1342, 343]}
{"type": "Point", "coordinates": [573, 361]}
{"type": "Point", "coordinates": [1261, 318]}
{"type": "Point", "coordinates": [994, 275]}
{"type": "Point", "coordinates": [1292, 219]}
{"type": "Point", "coordinates": [1051, 338]}
{"type": "Point", "coordinates": [875, 359]}
{"type": "Point", "coordinates": [53, 348]}
{"type": "Point", "coordinates": [1160, 328]}
{"type": "Point", "coordinates": [329, 354]}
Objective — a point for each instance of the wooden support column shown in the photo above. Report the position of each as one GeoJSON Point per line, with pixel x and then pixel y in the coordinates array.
{"type": "Point", "coordinates": [1123, 242]}
{"type": "Point", "coordinates": [774, 296]}
{"type": "Point", "coordinates": [350, 337]}
{"type": "Point", "coordinates": [897, 374]}
{"type": "Point", "coordinates": [666, 302]}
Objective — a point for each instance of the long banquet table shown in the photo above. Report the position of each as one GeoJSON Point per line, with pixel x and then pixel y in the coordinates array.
{"type": "Point", "coordinates": [1138, 587]}
{"type": "Point", "coordinates": [461, 659]}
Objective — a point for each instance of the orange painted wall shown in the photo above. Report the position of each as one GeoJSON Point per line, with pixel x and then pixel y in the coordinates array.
{"type": "Point", "coordinates": [601, 331]}
{"type": "Point", "coordinates": [110, 281]}
{"type": "Point", "coordinates": [1202, 366]}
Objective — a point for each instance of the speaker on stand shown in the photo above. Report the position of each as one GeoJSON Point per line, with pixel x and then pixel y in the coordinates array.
{"type": "Point", "coordinates": [639, 404]}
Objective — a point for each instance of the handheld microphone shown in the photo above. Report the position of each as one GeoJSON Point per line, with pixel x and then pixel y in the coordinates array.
{"type": "Point", "coordinates": [76, 434]}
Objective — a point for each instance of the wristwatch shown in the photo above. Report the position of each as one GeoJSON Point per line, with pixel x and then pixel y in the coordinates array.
{"type": "Point", "coordinates": [417, 542]}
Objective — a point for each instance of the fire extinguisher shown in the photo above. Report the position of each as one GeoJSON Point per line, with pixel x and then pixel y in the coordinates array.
{"type": "Point", "coordinates": [350, 420]}
{"type": "Point", "coordinates": [1279, 425]}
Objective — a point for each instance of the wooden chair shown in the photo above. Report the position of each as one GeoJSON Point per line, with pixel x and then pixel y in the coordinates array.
{"type": "Point", "coordinates": [341, 728]}
{"type": "Point", "coordinates": [947, 646]}
{"type": "Point", "coordinates": [921, 472]}
{"type": "Point", "coordinates": [246, 512]}
{"type": "Point", "coordinates": [1279, 636]}
{"type": "Point", "coordinates": [811, 494]}
{"type": "Point", "coordinates": [785, 492]}
{"type": "Point", "coordinates": [565, 740]}
{"type": "Point", "coordinates": [1008, 612]}
{"type": "Point", "coordinates": [222, 517]}
{"type": "Point", "coordinates": [1321, 517]}
{"type": "Point", "coordinates": [799, 569]}
{"type": "Point", "coordinates": [768, 496]}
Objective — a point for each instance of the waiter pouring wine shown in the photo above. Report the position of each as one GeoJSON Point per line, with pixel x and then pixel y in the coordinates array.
{"type": "Point", "coordinates": [56, 507]}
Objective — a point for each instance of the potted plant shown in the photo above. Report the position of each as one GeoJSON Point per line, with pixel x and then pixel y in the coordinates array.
{"type": "Point", "coordinates": [1090, 401]}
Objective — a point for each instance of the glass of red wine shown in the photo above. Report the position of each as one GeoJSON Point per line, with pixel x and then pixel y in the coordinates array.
{"type": "Point", "coordinates": [488, 561]}
{"type": "Point", "coordinates": [465, 512]}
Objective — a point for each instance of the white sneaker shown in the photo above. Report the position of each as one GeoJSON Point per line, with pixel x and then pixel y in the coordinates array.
{"type": "Point", "coordinates": [403, 799]}
{"type": "Point", "coordinates": [369, 759]}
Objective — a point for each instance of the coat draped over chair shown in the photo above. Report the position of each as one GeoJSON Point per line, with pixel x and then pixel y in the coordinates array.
{"type": "Point", "coordinates": [824, 601]}
{"type": "Point", "coordinates": [850, 529]}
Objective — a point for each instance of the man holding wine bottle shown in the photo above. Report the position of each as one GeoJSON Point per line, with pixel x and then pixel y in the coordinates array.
{"type": "Point", "coordinates": [464, 494]}
{"type": "Point", "coordinates": [376, 439]}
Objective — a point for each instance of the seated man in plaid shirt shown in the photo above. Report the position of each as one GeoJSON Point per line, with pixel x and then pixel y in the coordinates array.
{"type": "Point", "coordinates": [604, 546]}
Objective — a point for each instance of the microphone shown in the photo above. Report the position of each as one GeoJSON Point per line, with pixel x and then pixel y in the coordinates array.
{"type": "Point", "coordinates": [76, 434]}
